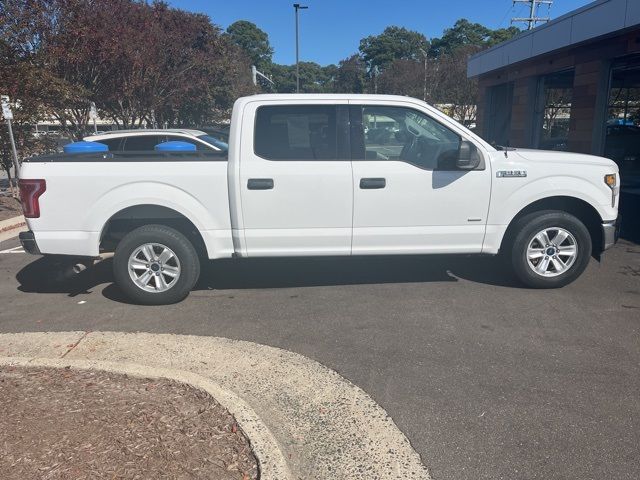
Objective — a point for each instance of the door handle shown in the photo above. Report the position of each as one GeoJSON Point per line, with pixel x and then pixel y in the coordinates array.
{"type": "Point", "coordinates": [372, 183]}
{"type": "Point", "coordinates": [260, 183]}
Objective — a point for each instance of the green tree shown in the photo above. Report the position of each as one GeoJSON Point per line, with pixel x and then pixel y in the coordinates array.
{"type": "Point", "coordinates": [350, 75]}
{"type": "Point", "coordinates": [284, 78]}
{"type": "Point", "coordinates": [253, 41]}
{"type": "Point", "coordinates": [502, 35]}
{"type": "Point", "coordinates": [394, 43]}
{"type": "Point", "coordinates": [313, 78]}
{"type": "Point", "coordinates": [464, 33]}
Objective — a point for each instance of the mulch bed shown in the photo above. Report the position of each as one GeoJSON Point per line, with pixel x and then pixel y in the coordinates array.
{"type": "Point", "coordinates": [9, 208]}
{"type": "Point", "coordinates": [74, 424]}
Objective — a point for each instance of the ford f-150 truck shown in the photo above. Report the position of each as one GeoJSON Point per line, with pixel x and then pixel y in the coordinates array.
{"type": "Point", "coordinates": [310, 175]}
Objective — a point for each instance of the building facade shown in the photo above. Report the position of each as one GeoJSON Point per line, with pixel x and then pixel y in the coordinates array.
{"type": "Point", "coordinates": [572, 84]}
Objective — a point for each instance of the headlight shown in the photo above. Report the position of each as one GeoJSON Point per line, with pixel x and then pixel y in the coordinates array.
{"type": "Point", "coordinates": [612, 182]}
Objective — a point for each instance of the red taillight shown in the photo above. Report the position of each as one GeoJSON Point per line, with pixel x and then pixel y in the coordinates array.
{"type": "Point", "coordinates": [30, 191]}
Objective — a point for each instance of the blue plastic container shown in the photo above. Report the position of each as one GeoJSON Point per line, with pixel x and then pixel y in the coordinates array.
{"type": "Point", "coordinates": [85, 147]}
{"type": "Point", "coordinates": [175, 146]}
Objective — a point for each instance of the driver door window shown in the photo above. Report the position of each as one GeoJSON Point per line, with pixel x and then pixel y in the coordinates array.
{"type": "Point", "coordinates": [395, 133]}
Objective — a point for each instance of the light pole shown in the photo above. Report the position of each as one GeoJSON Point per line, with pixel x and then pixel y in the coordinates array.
{"type": "Point", "coordinates": [297, 7]}
{"type": "Point", "coordinates": [8, 116]}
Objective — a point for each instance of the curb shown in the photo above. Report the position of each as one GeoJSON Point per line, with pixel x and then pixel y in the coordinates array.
{"type": "Point", "coordinates": [271, 462]}
{"type": "Point", "coordinates": [12, 223]}
{"type": "Point", "coordinates": [320, 425]}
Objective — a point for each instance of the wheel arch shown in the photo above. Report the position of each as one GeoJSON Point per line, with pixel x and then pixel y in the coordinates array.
{"type": "Point", "coordinates": [129, 218]}
{"type": "Point", "coordinates": [582, 210]}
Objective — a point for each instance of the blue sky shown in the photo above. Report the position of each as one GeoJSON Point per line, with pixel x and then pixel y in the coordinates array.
{"type": "Point", "coordinates": [330, 30]}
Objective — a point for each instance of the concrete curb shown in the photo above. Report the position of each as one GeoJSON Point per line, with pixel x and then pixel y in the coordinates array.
{"type": "Point", "coordinates": [324, 426]}
{"type": "Point", "coordinates": [271, 462]}
{"type": "Point", "coordinates": [12, 223]}
{"type": "Point", "coordinates": [11, 227]}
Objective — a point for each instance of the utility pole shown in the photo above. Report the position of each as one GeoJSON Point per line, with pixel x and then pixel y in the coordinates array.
{"type": "Point", "coordinates": [297, 7]}
{"type": "Point", "coordinates": [424, 93]}
{"type": "Point", "coordinates": [532, 19]}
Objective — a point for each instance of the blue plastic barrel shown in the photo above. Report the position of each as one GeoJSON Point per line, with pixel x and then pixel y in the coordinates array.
{"type": "Point", "coordinates": [175, 146]}
{"type": "Point", "coordinates": [85, 147]}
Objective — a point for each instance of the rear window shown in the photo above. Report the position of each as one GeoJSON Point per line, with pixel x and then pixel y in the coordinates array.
{"type": "Point", "coordinates": [299, 132]}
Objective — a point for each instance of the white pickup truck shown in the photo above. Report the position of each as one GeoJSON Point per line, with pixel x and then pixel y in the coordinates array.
{"type": "Point", "coordinates": [310, 175]}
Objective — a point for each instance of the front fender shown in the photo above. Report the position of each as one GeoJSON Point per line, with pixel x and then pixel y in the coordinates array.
{"type": "Point", "coordinates": [507, 204]}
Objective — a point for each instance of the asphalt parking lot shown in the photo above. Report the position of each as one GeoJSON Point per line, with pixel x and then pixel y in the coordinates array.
{"type": "Point", "coordinates": [487, 380]}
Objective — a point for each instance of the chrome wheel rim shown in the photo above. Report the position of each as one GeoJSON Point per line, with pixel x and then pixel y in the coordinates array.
{"type": "Point", "coordinates": [552, 252]}
{"type": "Point", "coordinates": [154, 267]}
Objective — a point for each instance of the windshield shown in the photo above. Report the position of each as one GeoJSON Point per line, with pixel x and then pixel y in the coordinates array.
{"type": "Point", "coordinates": [215, 142]}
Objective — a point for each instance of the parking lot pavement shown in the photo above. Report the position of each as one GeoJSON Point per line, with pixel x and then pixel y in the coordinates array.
{"type": "Point", "coordinates": [487, 380]}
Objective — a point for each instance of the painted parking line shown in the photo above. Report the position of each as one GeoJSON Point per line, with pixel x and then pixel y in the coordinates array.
{"type": "Point", "coordinates": [17, 249]}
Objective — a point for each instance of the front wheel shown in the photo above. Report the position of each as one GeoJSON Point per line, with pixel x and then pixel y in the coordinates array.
{"type": "Point", "coordinates": [156, 265]}
{"type": "Point", "coordinates": [550, 249]}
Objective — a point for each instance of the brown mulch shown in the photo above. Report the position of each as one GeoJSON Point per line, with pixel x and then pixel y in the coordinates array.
{"type": "Point", "coordinates": [74, 424]}
{"type": "Point", "coordinates": [9, 208]}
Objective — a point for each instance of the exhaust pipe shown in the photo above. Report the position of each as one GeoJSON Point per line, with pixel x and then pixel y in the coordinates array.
{"type": "Point", "coordinates": [79, 268]}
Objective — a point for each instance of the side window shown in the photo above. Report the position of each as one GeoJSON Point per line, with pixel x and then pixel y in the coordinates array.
{"type": "Point", "coordinates": [296, 132]}
{"type": "Point", "coordinates": [396, 133]}
{"type": "Point", "coordinates": [113, 144]}
{"type": "Point", "coordinates": [142, 142]}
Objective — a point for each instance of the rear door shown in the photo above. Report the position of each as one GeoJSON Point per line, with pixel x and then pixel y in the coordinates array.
{"type": "Point", "coordinates": [295, 179]}
{"type": "Point", "coordinates": [409, 197]}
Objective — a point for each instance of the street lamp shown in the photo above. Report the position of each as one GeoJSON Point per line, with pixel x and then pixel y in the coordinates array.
{"type": "Point", "coordinates": [297, 7]}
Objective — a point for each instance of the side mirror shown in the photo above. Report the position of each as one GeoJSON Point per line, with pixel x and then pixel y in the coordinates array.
{"type": "Point", "coordinates": [468, 157]}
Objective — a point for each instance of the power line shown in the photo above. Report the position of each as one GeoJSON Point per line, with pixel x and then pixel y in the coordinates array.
{"type": "Point", "coordinates": [532, 19]}
{"type": "Point", "coordinates": [510, 9]}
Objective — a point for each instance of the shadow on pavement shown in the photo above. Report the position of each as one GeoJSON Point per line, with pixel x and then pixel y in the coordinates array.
{"type": "Point", "coordinates": [328, 271]}
{"type": "Point", "coordinates": [44, 274]}
{"type": "Point", "coordinates": [54, 275]}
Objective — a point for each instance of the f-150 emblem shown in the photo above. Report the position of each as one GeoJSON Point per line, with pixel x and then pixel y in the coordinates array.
{"type": "Point", "coordinates": [511, 173]}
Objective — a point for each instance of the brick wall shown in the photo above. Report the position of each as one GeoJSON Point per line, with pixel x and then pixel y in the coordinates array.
{"type": "Point", "coordinates": [591, 63]}
{"type": "Point", "coordinates": [583, 106]}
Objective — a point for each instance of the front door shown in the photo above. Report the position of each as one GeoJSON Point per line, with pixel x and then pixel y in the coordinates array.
{"type": "Point", "coordinates": [296, 180]}
{"type": "Point", "coordinates": [409, 197]}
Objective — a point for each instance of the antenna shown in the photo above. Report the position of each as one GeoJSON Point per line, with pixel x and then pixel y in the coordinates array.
{"type": "Point", "coordinates": [532, 19]}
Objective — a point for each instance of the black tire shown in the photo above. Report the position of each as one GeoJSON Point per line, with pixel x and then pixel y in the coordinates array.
{"type": "Point", "coordinates": [182, 248]}
{"type": "Point", "coordinates": [524, 232]}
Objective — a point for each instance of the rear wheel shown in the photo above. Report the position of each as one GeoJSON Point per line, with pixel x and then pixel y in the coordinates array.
{"type": "Point", "coordinates": [550, 249]}
{"type": "Point", "coordinates": [156, 265]}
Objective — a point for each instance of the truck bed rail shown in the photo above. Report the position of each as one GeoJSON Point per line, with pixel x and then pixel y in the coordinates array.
{"type": "Point", "coordinates": [137, 156]}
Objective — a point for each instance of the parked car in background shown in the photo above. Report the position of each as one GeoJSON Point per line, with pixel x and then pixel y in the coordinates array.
{"type": "Point", "coordinates": [221, 133]}
{"type": "Point", "coordinates": [310, 175]}
{"type": "Point", "coordinates": [147, 139]}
